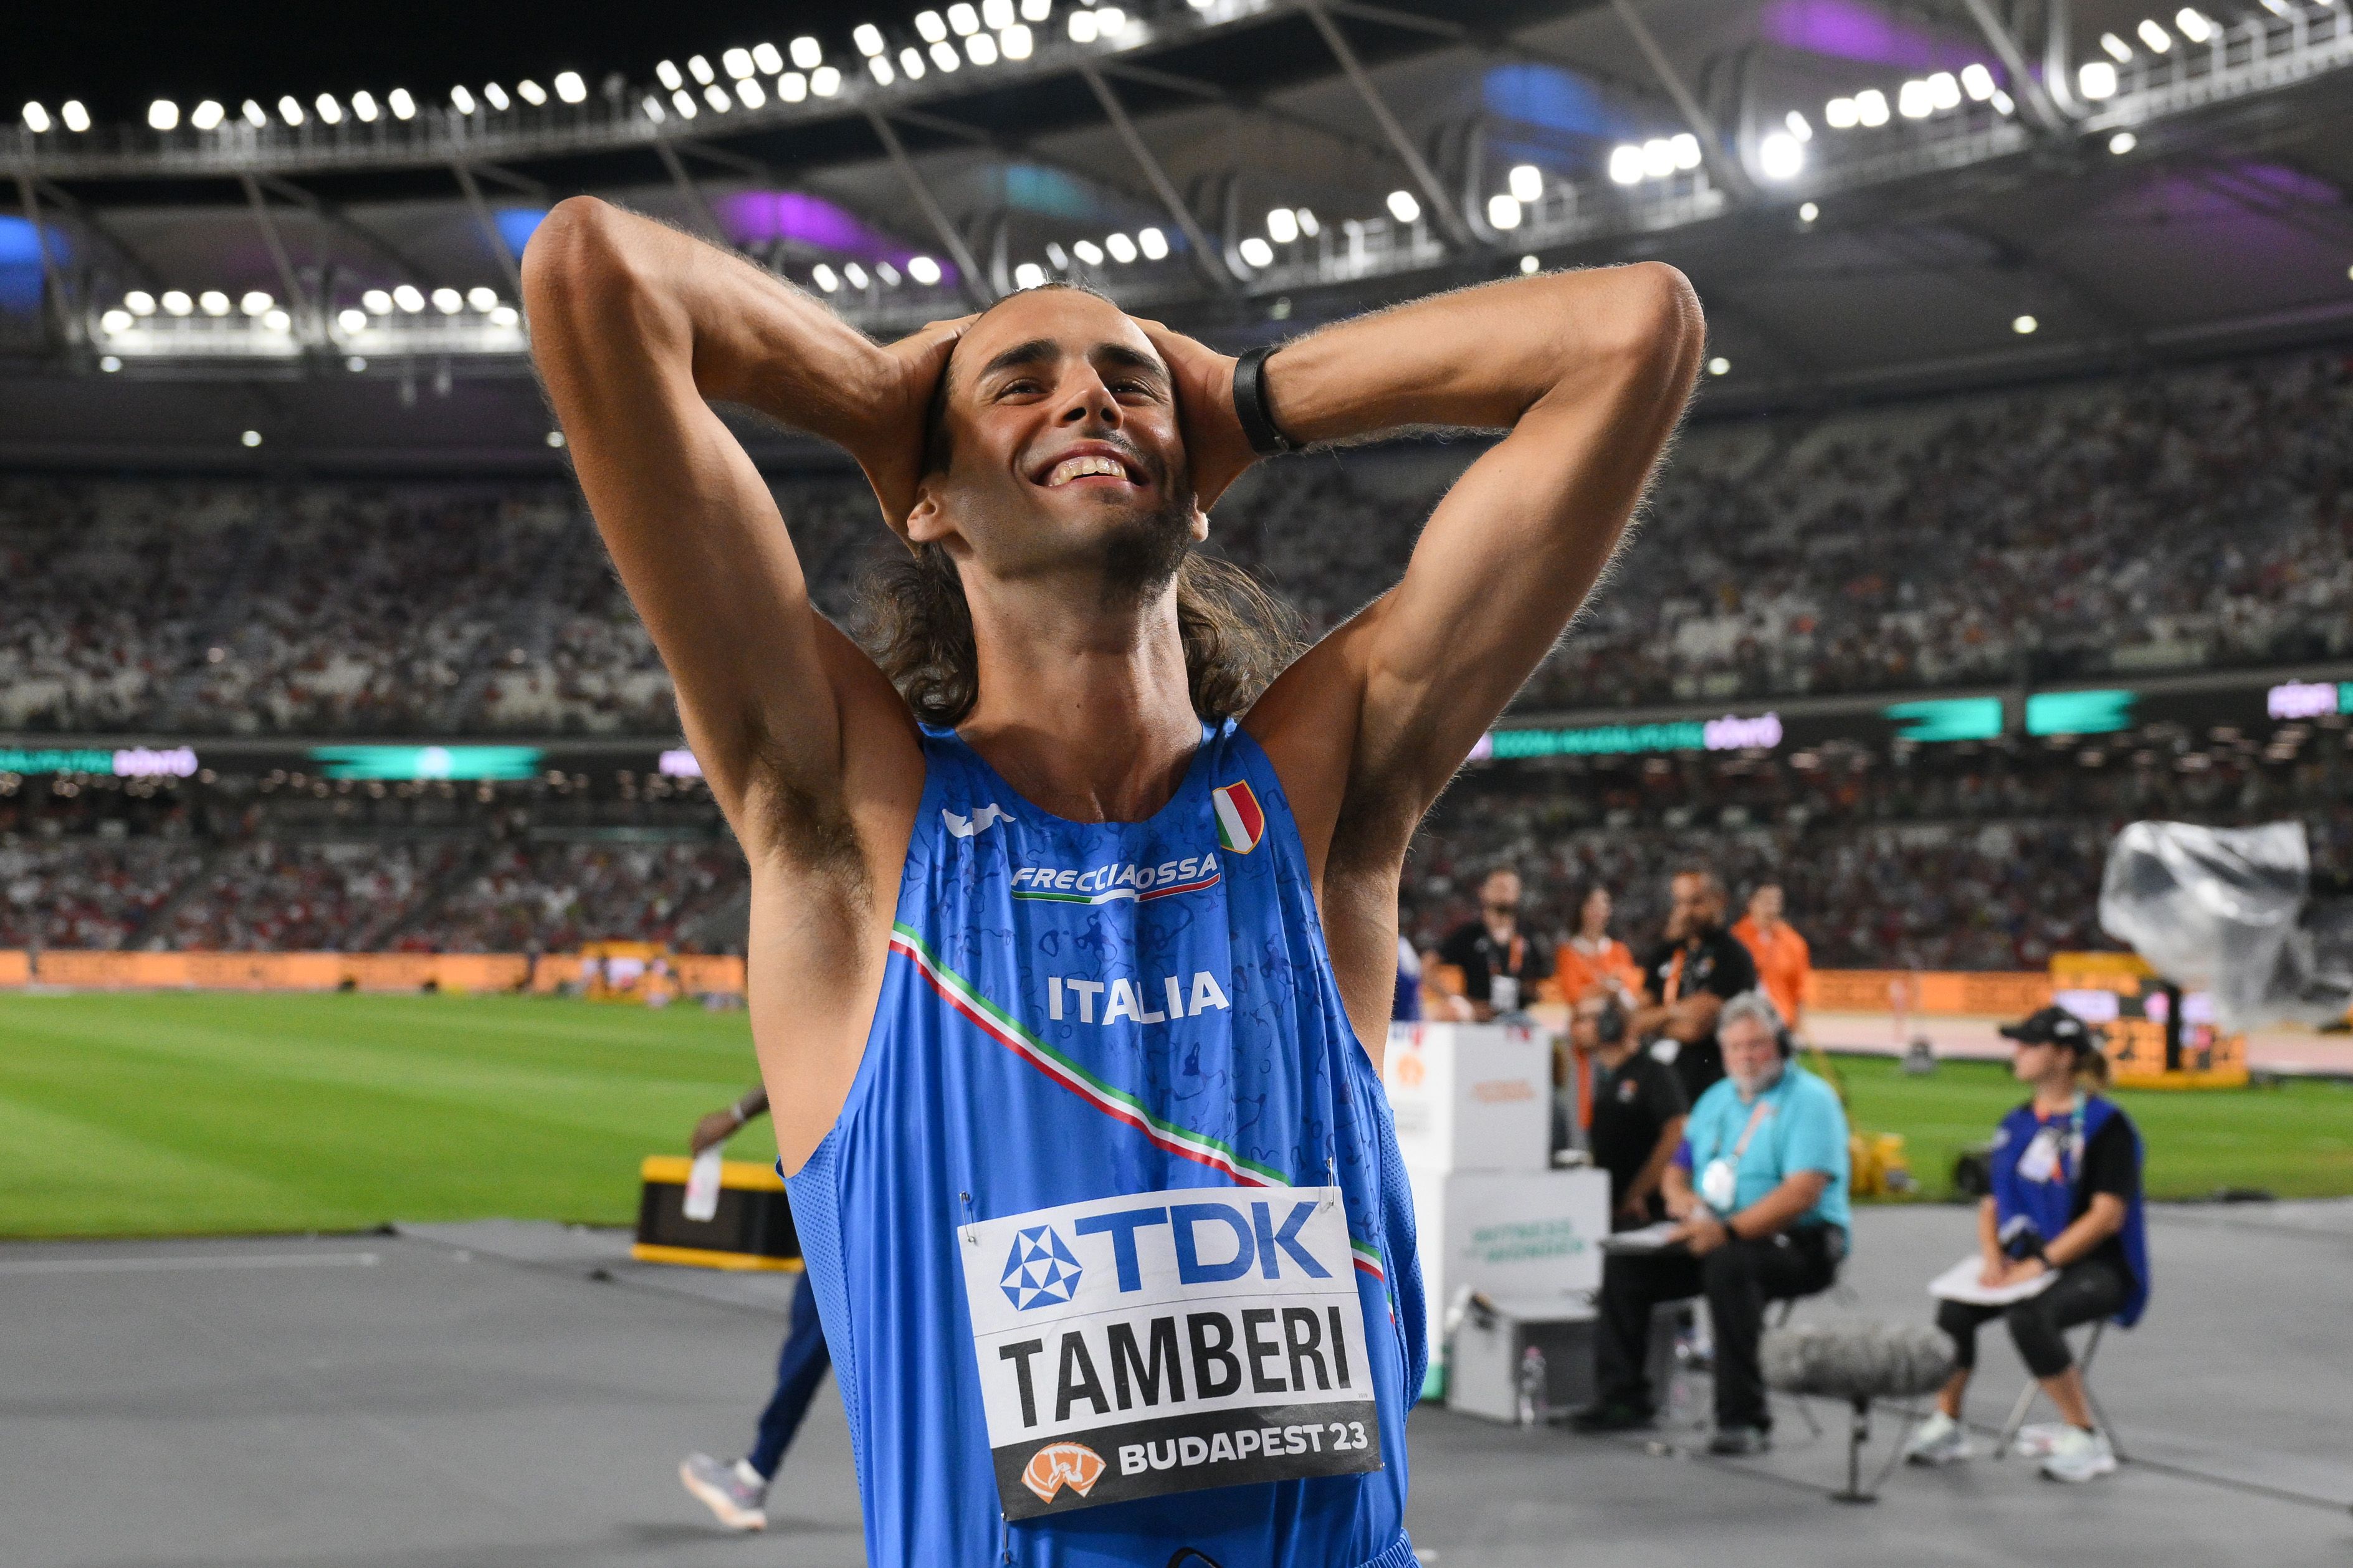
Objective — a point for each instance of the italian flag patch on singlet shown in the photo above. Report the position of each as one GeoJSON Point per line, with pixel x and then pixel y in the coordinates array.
{"type": "Point", "coordinates": [1240, 823]}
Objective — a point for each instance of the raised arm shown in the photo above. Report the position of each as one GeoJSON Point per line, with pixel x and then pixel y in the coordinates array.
{"type": "Point", "coordinates": [636, 329]}
{"type": "Point", "coordinates": [1588, 373]}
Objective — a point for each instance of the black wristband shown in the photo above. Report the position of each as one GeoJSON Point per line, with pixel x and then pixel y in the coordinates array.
{"type": "Point", "coordinates": [1266, 438]}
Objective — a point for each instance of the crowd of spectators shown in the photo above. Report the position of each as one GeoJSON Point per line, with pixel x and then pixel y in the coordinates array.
{"type": "Point", "coordinates": [2195, 517]}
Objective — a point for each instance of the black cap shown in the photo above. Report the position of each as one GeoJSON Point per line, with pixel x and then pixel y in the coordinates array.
{"type": "Point", "coordinates": [2053, 1025]}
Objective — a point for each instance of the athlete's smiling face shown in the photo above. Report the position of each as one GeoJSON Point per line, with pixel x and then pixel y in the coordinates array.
{"type": "Point", "coordinates": [1056, 444]}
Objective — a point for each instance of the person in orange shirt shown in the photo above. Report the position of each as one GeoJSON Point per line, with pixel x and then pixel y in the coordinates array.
{"type": "Point", "coordinates": [1592, 961]}
{"type": "Point", "coordinates": [1784, 962]}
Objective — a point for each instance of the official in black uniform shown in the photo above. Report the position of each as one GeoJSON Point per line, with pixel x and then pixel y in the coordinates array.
{"type": "Point", "coordinates": [1638, 1113]}
{"type": "Point", "coordinates": [1688, 978]}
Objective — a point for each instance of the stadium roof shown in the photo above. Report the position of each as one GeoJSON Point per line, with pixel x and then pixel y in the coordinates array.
{"type": "Point", "coordinates": [255, 232]}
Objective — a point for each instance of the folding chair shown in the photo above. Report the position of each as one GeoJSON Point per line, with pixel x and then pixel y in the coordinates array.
{"type": "Point", "coordinates": [2025, 1400]}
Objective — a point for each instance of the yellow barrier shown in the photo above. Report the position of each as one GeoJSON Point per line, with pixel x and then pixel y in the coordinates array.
{"type": "Point", "coordinates": [90, 970]}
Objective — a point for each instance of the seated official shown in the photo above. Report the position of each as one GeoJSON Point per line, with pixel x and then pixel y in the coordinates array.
{"type": "Point", "coordinates": [1758, 1190]}
{"type": "Point", "coordinates": [2066, 1200]}
{"type": "Point", "coordinates": [1636, 1123]}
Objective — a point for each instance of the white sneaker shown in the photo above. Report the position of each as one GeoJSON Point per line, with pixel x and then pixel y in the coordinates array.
{"type": "Point", "coordinates": [1938, 1440]}
{"type": "Point", "coordinates": [2034, 1440]}
{"type": "Point", "coordinates": [2079, 1456]}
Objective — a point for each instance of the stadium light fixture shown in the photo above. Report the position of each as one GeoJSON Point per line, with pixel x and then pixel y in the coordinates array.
{"type": "Point", "coordinates": [2118, 50]}
{"type": "Point", "coordinates": [2122, 143]}
{"type": "Point", "coordinates": [1527, 183]}
{"type": "Point", "coordinates": [1282, 226]}
{"type": "Point", "coordinates": [409, 298]}
{"type": "Point", "coordinates": [996, 14]}
{"type": "Point", "coordinates": [1719, 365]}
{"type": "Point", "coordinates": [752, 95]}
{"type": "Point", "coordinates": [481, 299]}
{"type": "Point", "coordinates": [911, 63]}
{"type": "Point", "coordinates": [1257, 252]}
{"type": "Point", "coordinates": [531, 92]}
{"type": "Point", "coordinates": [571, 88]}
{"type": "Point", "coordinates": [139, 302]}
{"type": "Point", "coordinates": [653, 109]}
{"type": "Point", "coordinates": [460, 99]}
{"type": "Point", "coordinates": [982, 48]}
{"type": "Point", "coordinates": [879, 66]}
{"type": "Point", "coordinates": [700, 70]}
{"type": "Point", "coordinates": [924, 270]}
{"type": "Point", "coordinates": [2002, 104]}
{"type": "Point", "coordinates": [176, 302]}
{"type": "Point", "coordinates": [291, 110]}
{"type": "Point", "coordinates": [1082, 26]}
{"type": "Point", "coordinates": [2024, 326]}
{"type": "Point", "coordinates": [109, 364]}
{"type": "Point", "coordinates": [356, 364]}
{"type": "Point", "coordinates": [1109, 20]}
{"type": "Point", "coordinates": [1122, 248]}
{"type": "Point", "coordinates": [1307, 223]}
{"type": "Point", "coordinates": [1781, 156]}
{"type": "Point", "coordinates": [330, 111]}
{"type": "Point", "coordinates": [1088, 251]}
{"type": "Point", "coordinates": [1684, 149]}
{"type": "Point", "coordinates": [2155, 37]}
{"type": "Point", "coordinates": [792, 88]}
{"type": "Point", "coordinates": [76, 117]}
{"type": "Point", "coordinates": [887, 273]}
{"type": "Point", "coordinates": [1808, 212]}
{"type": "Point", "coordinates": [808, 53]}
{"type": "Point", "coordinates": [1839, 115]}
{"type": "Point", "coordinates": [1913, 101]}
{"type": "Point", "coordinates": [1403, 207]}
{"type": "Point", "coordinates": [1871, 108]}
{"type": "Point", "coordinates": [1626, 165]}
{"type": "Point", "coordinates": [1976, 81]}
{"type": "Point", "coordinates": [364, 105]}
{"type": "Point", "coordinates": [736, 63]}
{"type": "Point", "coordinates": [37, 119]}
{"type": "Point", "coordinates": [2194, 26]}
{"type": "Point", "coordinates": [449, 302]}
{"type": "Point", "coordinates": [1029, 275]}
{"type": "Point", "coordinates": [207, 115]}
{"type": "Point", "coordinates": [929, 27]}
{"type": "Point", "coordinates": [868, 37]}
{"type": "Point", "coordinates": [1658, 157]}
{"type": "Point", "coordinates": [213, 302]}
{"type": "Point", "coordinates": [1528, 266]}
{"type": "Point", "coordinates": [1058, 257]}
{"type": "Point", "coordinates": [2096, 79]}
{"type": "Point", "coordinates": [1037, 10]}
{"type": "Point", "coordinates": [667, 74]}
{"type": "Point", "coordinates": [768, 59]}
{"type": "Point", "coordinates": [716, 96]}
{"type": "Point", "coordinates": [1016, 42]}
{"type": "Point", "coordinates": [945, 55]}
{"type": "Point", "coordinates": [496, 97]}
{"type": "Point", "coordinates": [352, 320]}
{"type": "Point", "coordinates": [277, 322]}
{"type": "Point", "coordinates": [825, 278]}
{"type": "Point", "coordinates": [505, 316]}
{"type": "Point", "coordinates": [1800, 126]}
{"type": "Point", "coordinates": [402, 106]}
{"type": "Point", "coordinates": [855, 274]}
{"type": "Point", "coordinates": [825, 81]}
{"type": "Point", "coordinates": [1944, 91]}
{"type": "Point", "coordinates": [376, 302]}
{"type": "Point", "coordinates": [683, 102]}
{"type": "Point", "coordinates": [251, 438]}
{"type": "Point", "coordinates": [1151, 242]}
{"type": "Point", "coordinates": [116, 320]}
{"type": "Point", "coordinates": [255, 115]}
{"type": "Point", "coordinates": [163, 115]}
{"type": "Point", "coordinates": [1503, 211]}
{"type": "Point", "coordinates": [556, 439]}
{"type": "Point", "coordinates": [256, 302]}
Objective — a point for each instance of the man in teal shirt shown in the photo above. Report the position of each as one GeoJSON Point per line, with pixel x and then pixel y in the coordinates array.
{"type": "Point", "coordinates": [1758, 1193]}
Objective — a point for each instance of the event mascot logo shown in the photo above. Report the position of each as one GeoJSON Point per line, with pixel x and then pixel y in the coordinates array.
{"type": "Point", "coordinates": [1058, 1465]}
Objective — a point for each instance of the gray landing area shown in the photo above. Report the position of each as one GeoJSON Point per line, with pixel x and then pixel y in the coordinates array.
{"type": "Point", "coordinates": [511, 1394]}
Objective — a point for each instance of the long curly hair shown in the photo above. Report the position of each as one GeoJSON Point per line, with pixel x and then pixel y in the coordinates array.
{"type": "Point", "coordinates": [916, 624]}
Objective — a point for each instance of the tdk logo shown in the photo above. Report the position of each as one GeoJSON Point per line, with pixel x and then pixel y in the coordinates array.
{"type": "Point", "coordinates": [1198, 1231]}
{"type": "Point", "coordinates": [1133, 1001]}
{"type": "Point", "coordinates": [1039, 1271]}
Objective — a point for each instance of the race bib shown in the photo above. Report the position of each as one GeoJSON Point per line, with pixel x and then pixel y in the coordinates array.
{"type": "Point", "coordinates": [1504, 993]}
{"type": "Point", "coordinates": [1167, 1341]}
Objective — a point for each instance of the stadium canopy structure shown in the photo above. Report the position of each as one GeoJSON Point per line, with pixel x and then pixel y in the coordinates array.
{"type": "Point", "coordinates": [1874, 197]}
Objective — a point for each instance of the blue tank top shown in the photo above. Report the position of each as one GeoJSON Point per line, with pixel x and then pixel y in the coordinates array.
{"type": "Point", "coordinates": [1111, 1242]}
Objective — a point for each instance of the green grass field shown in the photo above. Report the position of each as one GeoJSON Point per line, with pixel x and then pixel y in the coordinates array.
{"type": "Point", "coordinates": [185, 1114]}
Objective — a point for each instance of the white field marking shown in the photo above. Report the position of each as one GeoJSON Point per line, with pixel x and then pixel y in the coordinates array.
{"type": "Point", "coordinates": [187, 1265]}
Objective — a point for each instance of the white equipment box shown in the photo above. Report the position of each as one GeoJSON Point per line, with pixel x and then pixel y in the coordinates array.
{"type": "Point", "coordinates": [1470, 1097]}
{"type": "Point", "coordinates": [1528, 1235]}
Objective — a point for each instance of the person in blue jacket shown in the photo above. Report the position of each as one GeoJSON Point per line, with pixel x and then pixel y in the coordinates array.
{"type": "Point", "coordinates": [2066, 1201]}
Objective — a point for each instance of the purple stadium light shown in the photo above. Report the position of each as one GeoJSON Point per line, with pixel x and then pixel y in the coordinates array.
{"type": "Point", "coordinates": [1849, 30]}
{"type": "Point", "coordinates": [755, 218]}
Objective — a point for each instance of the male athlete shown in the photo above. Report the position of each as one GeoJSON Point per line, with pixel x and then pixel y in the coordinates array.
{"type": "Point", "coordinates": [1072, 948]}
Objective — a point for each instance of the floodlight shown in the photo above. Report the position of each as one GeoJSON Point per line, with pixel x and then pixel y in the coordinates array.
{"type": "Point", "coordinates": [251, 437]}
{"type": "Point", "coordinates": [277, 322]}
{"type": "Point", "coordinates": [2155, 36]}
{"type": "Point", "coordinates": [213, 302]}
{"type": "Point", "coordinates": [880, 68]}
{"type": "Point", "coordinates": [2024, 325]}
{"type": "Point", "coordinates": [1528, 183]}
{"type": "Point", "coordinates": [1626, 165]}
{"type": "Point", "coordinates": [402, 106]}
{"type": "Point", "coordinates": [109, 364]}
{"type": "Point", "coordinates": [376, 302]}
{"type": "Point", "coordinates": [176, 302]}
{"type": "Point", "coordinates": [767, 58]}
{"type": "Point", "coordinates": [1403, 207]}
{"type": "Point", "coordinates": [1798, 126]}
{"type": "Point", "coordinates": [1871, 107]}
{"type": "Point", "coordinates": [1037, 10]}
{"type": "Point", "coordinates": [1658, 157]}
{"type": "Point", "coordinates": [1029, 275]}
{"type": "Point", "coordinates": [792, 87]}
{"type": "Point", "coordinates": [1808, 212]}
{"type": "Point", "coordinates": [481, 299]}
{"type": "Point", "coordinates": [463, 101]}
{"type": "Point", "coordinates": [1015, 42]}
{"type": "Point", "coordinates": [531, 92]}
{"type": "Point", "coordinates": [945, 55]}
{"type": "Point", "coordinates": [408, 297]}
{"type": "Point", "coordinates": [808, 53]}
{"type": "Point", "coordinates": [1719, 365]}
{"type": "Point", "coordinates": [555, 437]}
{"type": "Point", "coordinates": [115, 321]}
{"type": "Point", "coordinates": [497, 97]}
{"type": "Point", "coordinates": [963, 20]}
{"type": "Point", "coordinates": [163, 114]}
{"type": "Point", "coordinates": [982, 49]}
{"type": "Point", "coordinates": [1528, 266]}
{"type": "Point", "coordinates": [700, 70]}
{"type": "Point", "coordinates": [887, 273]}
{"type": "Point", "coordinates": [505, 316]}
{"type": "Point", "coordinates": [1839, 115]}
{"type": "Point", "coordinates": [653, 108]}
{"type": "Point", "coordinates": [996, 14]}
{"type": "Point", "coordinates": [139, 302]}
{"type": "Point", "coordinates": [352, 320]}
{"type": "Point", "coordinates": [751, 92]}
{"type": "Point", "coordinates": [1056, 254]}
{"type": "Point", "coordinates": [1685, 147]}
{"type": "Point", "coordinates": [2122, 143]}
{"type": "Point", "coordinates": [716, 96]}
{"type": "Point", "coordinates": [1122, 248]}
{"type": "Point", "coordinates": [736, 63]}
{"type": "Point", "coordinates": [923, 269]}
{"type": "Point", "coordinates": [911, 63]}
{"type": "Point", "coordinates": [255, 115]}
{"type": "Point", "coordinates": [364, 105]}
{"type": "Point", "coordinates": [37, 119]}
{"type": "Point", "coordinates": [1281, 226]}
{"type": "Point", "coordinates": [1082, 26]}
{"type": "Point", "coordinates": [667, 74]}
{"type": "Point", "coordinates": [1257, 252]}
{"type": "Point", "coordinates": [855, 274]}
{"type": "Point", "coordinates": [2118, 50]}
{"type": "Point", "coordinates": [2002, 104]}
{"type": "Point", "coordinates": [825, 278]}
{"type": "Point", "coordinates": [449, 302]}
{"type": "Point", "coordinates": [1780, 156]}
{"type": "Point", "coordinates": [2096, 79]}
{"type": "Point", "coordinates": [356, 364]}
{"type": "Point", "coordinates": [2194, 27]}
{"type": "Point", "coordinates": [1915, 101]}
{"type": "Point", "coordinates": [929, 27]}
{"type": "Point", "coordinates": [1503, 210]}
{"type": "Point", "coordinates": [256, 302]}
{"type": "Point", "coordinates": [1108, 19]}
{"type": "Point", "coordinates": [1307, 223]}
{"type": "Point", "coordinates": [76, 117]}
{"type": "Point", "coordinates": [289, 109]}
{"type": "Point", "coordinates": [1151, 242]}
{"type": "Point", "coordinates": [1944, 91]}
{"type": "Point", "coordinates": [683, 102]}
{"type": "Point", "coordinates": [868, 37]}
{"type": "Point", "coordinates": [825, 81]}
{"type": "Point", "coordinates": [1976, 81]}
{"type": "Point", "coordinates": [330, 110]}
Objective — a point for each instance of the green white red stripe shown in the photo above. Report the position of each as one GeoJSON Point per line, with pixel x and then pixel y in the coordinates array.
{"type": "Point", "coordinates": [1240, 822]}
